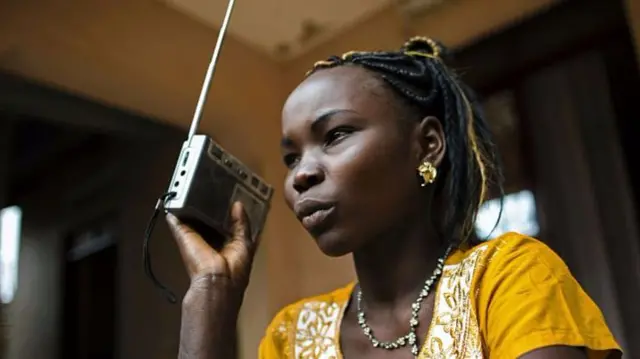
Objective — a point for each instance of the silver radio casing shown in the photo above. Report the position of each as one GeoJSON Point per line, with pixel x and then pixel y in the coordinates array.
{"type": "Point", "coordinates": [207, 181]}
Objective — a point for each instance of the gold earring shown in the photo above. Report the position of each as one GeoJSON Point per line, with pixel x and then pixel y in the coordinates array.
{"type": "Point", "coordinates": [428, 172]}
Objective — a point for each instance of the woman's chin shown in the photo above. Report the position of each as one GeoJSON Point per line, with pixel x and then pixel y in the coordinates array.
{"type": "Point", "coordinates": [334, 244]}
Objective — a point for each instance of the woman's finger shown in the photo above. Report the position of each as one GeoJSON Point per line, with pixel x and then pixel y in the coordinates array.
{"type": "Point", "coordinates": [196, 254]}
{"type": "Point", "coordinates": [239, 251]}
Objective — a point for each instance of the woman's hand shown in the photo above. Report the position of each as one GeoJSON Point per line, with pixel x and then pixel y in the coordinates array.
{"type": "Point", "coordinates": [219, 279]}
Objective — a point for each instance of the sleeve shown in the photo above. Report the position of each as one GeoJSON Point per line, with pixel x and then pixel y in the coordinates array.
{"type": "Point", "coordinates": [276, 342]}
{"type": "Point", "coordinates": [530, 300]}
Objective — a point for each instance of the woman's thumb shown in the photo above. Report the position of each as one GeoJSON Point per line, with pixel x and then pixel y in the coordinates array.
{"type": "Point", "coordinates": [240, 224]}
{"type": "Point", "coordinates": [240, 248]}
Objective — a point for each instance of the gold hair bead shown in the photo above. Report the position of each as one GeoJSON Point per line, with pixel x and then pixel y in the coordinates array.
{"type": "Point", "coordinates": [435, 48]}
{"type": "Point", "coordinates": [421, 54]}
{"type": "Point", "coordinates": [319, 64]}
{"type": "Point", "coordinates": [323, 63]}
{"type": "Point", "coordinates": [347, 55]}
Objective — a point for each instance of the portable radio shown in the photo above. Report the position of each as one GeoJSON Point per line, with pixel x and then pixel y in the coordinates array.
{"type": "Point", "coordinates": [207, 180]}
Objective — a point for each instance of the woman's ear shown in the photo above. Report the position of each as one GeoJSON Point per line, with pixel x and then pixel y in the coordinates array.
{"type": "Point", "coordinates": [430, 141]}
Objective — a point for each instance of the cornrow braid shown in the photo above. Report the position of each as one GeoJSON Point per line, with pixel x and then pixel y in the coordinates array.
{"type": "Point", "coordinates": [419, 75]}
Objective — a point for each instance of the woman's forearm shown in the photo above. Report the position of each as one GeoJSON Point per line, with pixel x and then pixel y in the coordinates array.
{"type": "Point", "coordinates": [209, 322]}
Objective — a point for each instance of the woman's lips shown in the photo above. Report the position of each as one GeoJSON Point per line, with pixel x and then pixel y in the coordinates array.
{"type": "Point", "coordinates": [319, 220]}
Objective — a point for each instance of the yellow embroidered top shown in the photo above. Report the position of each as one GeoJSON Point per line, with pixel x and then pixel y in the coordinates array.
{"type": "Point", "coordinates": [498, 300]}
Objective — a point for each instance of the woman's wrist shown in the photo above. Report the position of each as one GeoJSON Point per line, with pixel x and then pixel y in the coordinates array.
{"type": "Point", "coordinates": [210, 312]}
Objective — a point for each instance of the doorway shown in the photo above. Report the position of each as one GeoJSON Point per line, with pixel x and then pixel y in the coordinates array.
{"type": "Point", "coordinates": [90, 293]}
{"type": "Point", "coordinates": [567, 81]}
{"type": "Point", "coordinates": [72, 178]}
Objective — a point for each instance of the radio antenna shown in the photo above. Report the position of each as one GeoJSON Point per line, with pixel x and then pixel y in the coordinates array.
{"type": "Point", "coordinates": [197, 116]}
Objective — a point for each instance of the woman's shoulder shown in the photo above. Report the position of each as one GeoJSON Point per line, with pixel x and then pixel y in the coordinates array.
{"type": "Point", "coordinates": [509, 249]}
{"type": "Point", "coordinates": [525, 297]}
{"type": "Point", "coordinates": [524, 262]}
{"type": "Point", "coordinates": [505, 244]}
{"type": "Point", "coordinates": [328, 302]}
{"type": "Point", "coordinates": [320, 313]}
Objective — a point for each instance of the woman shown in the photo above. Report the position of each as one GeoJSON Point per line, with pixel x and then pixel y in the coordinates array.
{"type": "Point", "coordinates": [389, 158]}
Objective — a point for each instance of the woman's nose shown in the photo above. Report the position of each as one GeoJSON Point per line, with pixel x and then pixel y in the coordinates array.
{"type": "Point", "coordinates": [307, 176]}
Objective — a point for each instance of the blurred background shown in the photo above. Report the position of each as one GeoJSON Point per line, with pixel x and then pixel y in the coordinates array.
{"type": "Point", "coordinates": [96, 98]}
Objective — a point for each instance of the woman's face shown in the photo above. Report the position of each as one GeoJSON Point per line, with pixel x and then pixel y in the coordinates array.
{"type": "Point", "coordinates": [351, 158]}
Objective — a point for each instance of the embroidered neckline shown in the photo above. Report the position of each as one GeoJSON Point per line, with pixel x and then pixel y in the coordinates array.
{"type": "Point", "coordinates": [453, 329]}
{"type": "Point", "coordinates": [344, 305]}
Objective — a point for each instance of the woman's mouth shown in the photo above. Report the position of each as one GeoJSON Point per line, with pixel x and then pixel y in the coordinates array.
{"type": "Point", "coordinates": [318, 221]}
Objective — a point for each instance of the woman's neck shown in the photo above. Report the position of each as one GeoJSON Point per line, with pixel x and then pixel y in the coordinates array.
{"type": "Point", "coordinates": [393, 269]}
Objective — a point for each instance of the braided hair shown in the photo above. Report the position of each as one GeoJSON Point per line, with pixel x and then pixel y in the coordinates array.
{"type": "Point", "coordinates": [418, 74]}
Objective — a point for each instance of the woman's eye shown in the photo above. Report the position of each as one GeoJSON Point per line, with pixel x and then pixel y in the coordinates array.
{"type": "Point", "coordinates": [291, 160]}
{"type": "Point", "coordinates": [337, 134]}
